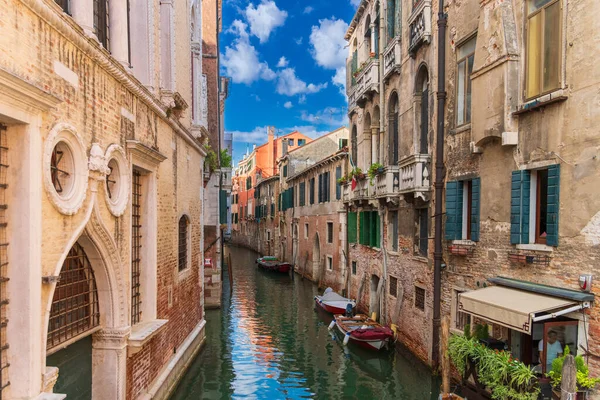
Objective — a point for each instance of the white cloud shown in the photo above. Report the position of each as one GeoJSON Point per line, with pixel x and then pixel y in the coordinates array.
{"type": "Point", "coordinates": [264, 18]}
{"type": "Point", "coordinates": [283, 62]}
{"type": "Point", "coordinates": [290, 85]}
{"type": "Point", "coordinates": [328, 48]}
{"type": "Point", "coordinates": [288, 104]}
{"type": "Point", "coordinates": [241, 60]}
{"type": "Point", "coordinates": [308, 10]}
{"type": "Point", "coordinates": [298, 40]}
{"type": "Point", "coordinates": [258, 135]}
{"type": "Point", "coordinates": [330, 116]}
{"type": "Point", "coordinates": [302, 99]}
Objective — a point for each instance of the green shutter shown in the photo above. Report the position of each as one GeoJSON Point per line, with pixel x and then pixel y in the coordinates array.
{"type": "Point", "coordinates": [553, 206]}
{"type": "Point", "coordinates": [375, 230]}
{"type": "Point", "coordinates": [338, 187]}
{"type": "Point", "coordinates": [519, 207]}
{"type": "Point", "coordinates": [285, 171]}
{"type": "Point", "coordinates": [223, 207]}
{"type": "Point", "coordinates": [351, 227]}
{"type": "Point", "coordinates": [363, 232]}
{"type": "Point", "coordinates": [475, 206]}
{"type": "Point", "coordinates": [454, 193]}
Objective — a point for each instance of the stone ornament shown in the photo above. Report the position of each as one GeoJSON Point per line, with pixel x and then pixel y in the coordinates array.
{"type": "Point", "coordinates": [67, 200]}
{"type": "Point", "coordinates": [117, 182]}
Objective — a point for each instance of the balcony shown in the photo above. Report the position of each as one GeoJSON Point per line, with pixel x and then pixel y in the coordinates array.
{"type": "Point", "coordinates": [226, 178]}
{"type": "Point", "coordinates": [415, 175]}
{"type": "Point", "coordinates": [367, 82]}
{"type": "Point", "coordinates": [419, 24]}
{"type": "Point", "coordinates": [352, 99]}
{"type": "Point", "coordinates": [388, 183]}
{"type": "Point", "coordinates": [362, 191]}
{"type": "Point", "coordinates": [392, 57]}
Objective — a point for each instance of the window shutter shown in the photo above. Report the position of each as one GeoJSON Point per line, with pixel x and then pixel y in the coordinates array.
{"type": "Point", "coordinates": [320, 189]}
{"type": "Point", "coordinates": [327, 186]}
{"type": "Point", "coordinates": [475, 205]}
{"type": "Point", "coordinates": [363, 229]}
{"type": "Point", "coordinates": [553, 205]}
{"type": "Point", "coordinates": [351, 227]}
{"type": "Point", "coordinates": [292, 198]}
{"type": "Point", "coordinates": [519, 207]}
{"type": "Point", "coordinates": [338, 187]}
{"type": "Point", "coordinates": [377, 227]}
{"type": "Point", "coordinates": [453, 210]}
{"type": "Point", "coordinates": [223, 207]}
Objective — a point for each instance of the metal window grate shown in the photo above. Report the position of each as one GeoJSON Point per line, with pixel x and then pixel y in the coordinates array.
{"type": "Point", "coordinates": [136, 245]}
{"type": "Point", "coordinates": [74, 308]}
{"type": "Point", "coordinates": [183, 245]}
{"type": "Point", "coordinates": [58, 170]}
{"type": "Point", "coordinates": [420, 298]}
{"type": "Point", "coordinates": [4, 382]}
{"type": "Point", "coordinates": [393, 286]}
{"type": "Point", "coordinates": [101, 19]}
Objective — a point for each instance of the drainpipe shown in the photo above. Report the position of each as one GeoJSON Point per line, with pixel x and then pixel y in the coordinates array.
{"type": "Point", "coordinates": [382, 47]}
{"type": "Point", "coordinates": [439, 182]}
{"type": "Point", "coordinates": [383, 316]}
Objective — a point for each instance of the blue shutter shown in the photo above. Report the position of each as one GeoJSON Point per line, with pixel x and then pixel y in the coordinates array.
{"type": "Point", "coordinates": [519, 207]}
{"type": "Point", "coordinates": [553, 205]}
{"type": "Point", "coordinates": [453, 210]}
{"type": "Point", "coordinates": [475, 205]}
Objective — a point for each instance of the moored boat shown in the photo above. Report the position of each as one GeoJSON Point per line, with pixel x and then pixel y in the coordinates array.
{"type": "Point", "coordinates": [363, 331]}
{"type": "Point", "coordinates": [332, 302]}
{"type": "Point", "coordinates": [271, 263]}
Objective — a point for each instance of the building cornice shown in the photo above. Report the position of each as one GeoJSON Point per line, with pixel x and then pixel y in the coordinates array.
{"type": "Point", "coordinates": [26, 93]}
{"type": "Point", "coordinates": [49, 12]}
{"type": "Point", "coordinates": [331, 159]}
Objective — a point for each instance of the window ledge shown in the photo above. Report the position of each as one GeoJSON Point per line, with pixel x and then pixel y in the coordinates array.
{"type": "Point", "coordinates": [461, 129]}
{"type": "Point", "coordinates": [421, 259]}
{"type": "Point", "coordinates": [142, 333]}
{"type": "Point", "coordinates": [535, 247]}
{"type": "Point", "coordinates": [464, 242]}
{"type": "Point", "coordinates": [542, 101]}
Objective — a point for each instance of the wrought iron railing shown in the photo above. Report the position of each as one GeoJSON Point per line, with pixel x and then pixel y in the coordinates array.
{"type": "Point", "coordinates": [4, 364]}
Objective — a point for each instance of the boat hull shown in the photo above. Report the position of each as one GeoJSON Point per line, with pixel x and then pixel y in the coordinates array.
{"type": "Point", "coordinates": [332, 307]}
{"type": "Point", "coordinates": [275, 266]}
{"type": "Point", "coordinates": [382, 339]}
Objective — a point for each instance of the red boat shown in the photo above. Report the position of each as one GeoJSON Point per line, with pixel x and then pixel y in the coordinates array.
{"type": "Point", "coordinates": [333, 302]}
{"type": "Point", "coordinates": [363, 331]}
{"type": "Point", "coordinates": [273, 264]}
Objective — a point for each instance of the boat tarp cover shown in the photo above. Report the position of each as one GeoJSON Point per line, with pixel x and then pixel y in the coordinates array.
{"type": "Point", "coordinates": [377, 333]}
{"type": "Point", "coordinates": [332, 296]}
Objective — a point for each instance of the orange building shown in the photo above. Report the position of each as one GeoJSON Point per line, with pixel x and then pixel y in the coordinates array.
{"type": "Point", "coordinates": [261, 163]}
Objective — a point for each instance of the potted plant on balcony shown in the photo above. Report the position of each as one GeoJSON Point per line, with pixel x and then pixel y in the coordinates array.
{"type": "Point", "coordinates": [374, 170]}
{"type": "Point", "coordinates": [343, 180]}
{"type": "Point", "coordinates": [373, 54]}
{"type": "Point", "coordinates": [358, 173]}
{"type": "Point", "coordinates": [585, 384]}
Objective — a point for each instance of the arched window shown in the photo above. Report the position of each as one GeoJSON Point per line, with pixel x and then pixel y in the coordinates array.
{"type": "Point", "coordinates": [391, 19]}
{"type": "Point", "coordinates": [394, 139]}
{"type": "Point", "coordinates": [354, 145]}
{"type": "Point", "coordinates": [367, 132]}
{"type": "Point", "coordinates": [368, 35]}
{"type": "Point", "coordinates": [422, 89]}
{"type": "Point", "coordinates": [184, 224]}
{"type": "Point", "coordinates": [74, 308]}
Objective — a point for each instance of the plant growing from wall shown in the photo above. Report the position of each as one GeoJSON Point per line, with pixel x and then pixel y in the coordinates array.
{"type": "Point", "coordinates": [584, 382]}
{"type": "Point", "coordinates": [211, 162]}
{"type": "Point", "coordinates": [225, 159]}
{"type": "Point", "coordinates": [506, 378]}
{"type": "Point", "coordinates": [374, 170]}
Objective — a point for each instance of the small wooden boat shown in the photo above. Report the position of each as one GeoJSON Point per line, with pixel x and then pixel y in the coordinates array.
{"type": "Point", "coordinates": [363, 331]}
{"type": "Point", "coordinates": [333, 302]}
{"type": "Point", "coordinates": [271, 263]}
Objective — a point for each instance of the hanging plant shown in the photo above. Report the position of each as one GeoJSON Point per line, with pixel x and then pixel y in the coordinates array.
{"type": "Point", "coordinates": [374, 170]}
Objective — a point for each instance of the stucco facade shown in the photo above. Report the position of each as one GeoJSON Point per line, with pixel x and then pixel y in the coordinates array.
{"type": "Point", "coordinates": [104, 180]}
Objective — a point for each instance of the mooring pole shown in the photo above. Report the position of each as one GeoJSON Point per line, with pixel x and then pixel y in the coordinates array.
{"type": "Point", "coordinates": [439, 182]}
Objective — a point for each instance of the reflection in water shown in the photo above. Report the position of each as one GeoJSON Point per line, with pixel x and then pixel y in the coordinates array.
{"type": "Point", "coordinates": [268, 342]}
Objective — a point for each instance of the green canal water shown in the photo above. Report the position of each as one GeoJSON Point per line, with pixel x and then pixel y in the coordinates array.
{"type": "Point", "coordinates": [268, 342]}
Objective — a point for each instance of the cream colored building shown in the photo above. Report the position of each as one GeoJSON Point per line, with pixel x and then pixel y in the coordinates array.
{"type": "Point", "coordinates": [101, 186]}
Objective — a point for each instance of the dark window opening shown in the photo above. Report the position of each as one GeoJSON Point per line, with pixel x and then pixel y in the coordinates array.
{"type": "Point", "coordinates": [101, 19]}
{"type": "Point", "coordinates": [353, 267]}
{"type": "Point", "coordinates": [330, 232]}
{"type": "Point", "coordinates": [184, 223]}
{"type": "Point", "coordinates": [541, 207]}
{"type": "Point", "coordinates": [64, 4]}
{"type": "Point", "coordinates": [421, 231]}
{"type": "Point", "coordinates": [136, 247]}
{"type": "Point", "coordinates": [420, 298]}
{"type": "Point", "coordinates": [393, 286]}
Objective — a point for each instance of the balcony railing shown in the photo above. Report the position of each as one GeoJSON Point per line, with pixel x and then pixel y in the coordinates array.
{"type": "Point", "coordinates": [419, 26]}
{"type": "Point", "coordinates": [388, 183]}
{"type": "Point", "coordinates": [362, 191]}
{"type": "Point", "coordinates": [352, 99]}
{"type": "Point", "coordinates": [367, 81]}
{"type": "Point", "coordinates": [226, 176]}
{"type": "Point", "coordinates": [415, 175]}
{"type": "Point", "coordinates": [391, 57]}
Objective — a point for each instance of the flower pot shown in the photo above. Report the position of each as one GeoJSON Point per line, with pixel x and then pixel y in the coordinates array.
{"type": "Point", "coordinates": [380, 170]}
{"type": "Point", "coordinates": [361, 176]}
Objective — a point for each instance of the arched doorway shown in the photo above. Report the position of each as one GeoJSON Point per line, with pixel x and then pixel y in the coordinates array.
{"type": "Point", "coordinates": [316, 256]}
{"type": "Point", "coordinates": [74, 316]}
{"type": "Point", "coordinates": [374, 296]}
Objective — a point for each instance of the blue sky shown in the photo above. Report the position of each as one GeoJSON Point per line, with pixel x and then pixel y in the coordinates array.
{"type": "Point", "coordinates": [286, 60]}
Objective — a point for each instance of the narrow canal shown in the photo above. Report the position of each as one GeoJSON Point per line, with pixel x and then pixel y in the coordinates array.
{"type": "Point", "coordinates": [268, 342]}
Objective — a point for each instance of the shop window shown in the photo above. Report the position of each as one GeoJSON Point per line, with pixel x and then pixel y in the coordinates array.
{"type": "Point", "coordinates": [329, 263]}
{"type": "Point", "coordinates": [535, 206]}
{"type": "Point", "coordinates": [543, 46]}
{"type": "Point", "coordinates": [184, 226]}
{"type": "Point", "coordinates": [353, 267]}
{"type": "Point", "coordinates": [463, 209]}
{"type": "Point", "coordinates": [393, 286]}
{"type": "Point", "coordinates": [74, 309]}
{"type": "Point", "coordinates": [557, 336]}
{"type": "Point", "coordinates": [466, 56]}
{"type": "Point", "coordinates": [421, 231]}
{"type": "Point", "coordinates": [352, 227]}
{"type": "Point", "coordinates": [101, 19]}
{"type": "Point", "coordinates": [330, 232]}
{"type": "Point", "coordinates": [420, 298]}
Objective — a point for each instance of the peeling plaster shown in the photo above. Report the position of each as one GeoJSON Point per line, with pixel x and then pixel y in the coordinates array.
{"type": "Point", "coordinates": [591, 231]}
